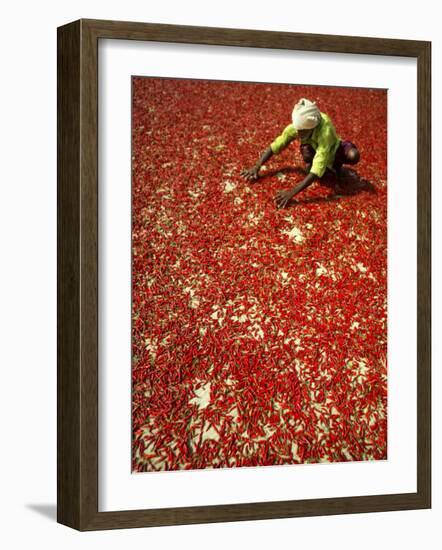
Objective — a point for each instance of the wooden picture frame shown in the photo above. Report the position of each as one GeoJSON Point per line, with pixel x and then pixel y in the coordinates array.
{"type": "Point", "coordinates": [77, 226]}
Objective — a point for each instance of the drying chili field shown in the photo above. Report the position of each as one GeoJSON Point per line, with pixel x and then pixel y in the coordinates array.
{"type": "Point", "coordinates": [259, 335]}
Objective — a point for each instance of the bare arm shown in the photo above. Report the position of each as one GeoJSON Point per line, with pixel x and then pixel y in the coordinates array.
{"type": "Point", "coordinates": [288, 135]}
{"type": "Point", "coordinates": [283, 197]}
{"type": "Point", "coordinates": [252, 173]}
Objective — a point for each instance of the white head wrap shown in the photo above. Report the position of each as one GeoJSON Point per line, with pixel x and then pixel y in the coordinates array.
{"type": "Point", "coordinates": [306, 115]}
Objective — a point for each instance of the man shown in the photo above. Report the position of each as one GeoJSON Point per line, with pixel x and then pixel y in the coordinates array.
{"type": "Point", "coordinates": [321, 148]}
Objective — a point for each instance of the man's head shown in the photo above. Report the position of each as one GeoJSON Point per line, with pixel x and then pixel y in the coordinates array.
{"type": "Point", "coordinates": [306, 116]}
{"type": "Point", "coordinates": [304, 134]}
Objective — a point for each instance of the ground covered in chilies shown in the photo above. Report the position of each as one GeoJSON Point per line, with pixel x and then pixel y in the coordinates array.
{"type": "Point", "coordinates": [258, 335]}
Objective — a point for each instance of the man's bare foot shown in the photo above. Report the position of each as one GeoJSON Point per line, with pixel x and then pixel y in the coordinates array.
{"type": "Point", "coordinates": [339, 191]}
{"type": "Point", "coordinates": [347, 176]}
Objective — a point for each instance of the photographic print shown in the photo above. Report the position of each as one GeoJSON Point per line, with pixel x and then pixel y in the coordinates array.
{"type": "Point", "coordinates": [259, 274]}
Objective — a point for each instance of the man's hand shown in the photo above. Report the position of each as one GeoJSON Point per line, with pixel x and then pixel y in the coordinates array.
{"type": "Point", "coordinates": [283, 197]}
{"type": "Point", "coordinates": [251, 174]}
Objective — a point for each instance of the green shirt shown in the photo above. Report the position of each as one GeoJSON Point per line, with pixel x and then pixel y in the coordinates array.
{"type": "Point", "coordinates": [323, 139]}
